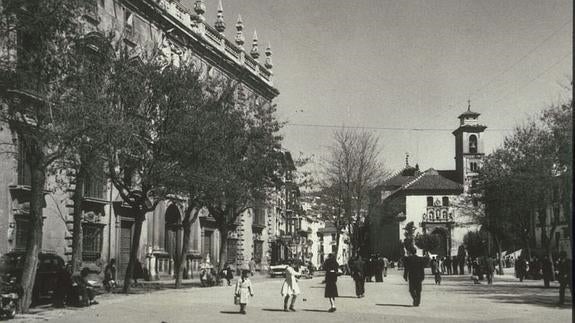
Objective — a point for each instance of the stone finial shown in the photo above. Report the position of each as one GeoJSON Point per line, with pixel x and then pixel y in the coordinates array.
{"type": "Point", "coordinates": [469, 105]}
{"type": "Point", "coordinates": [269, 63]}
{"type": "Point", "coordinates": [240, 39]}
{"type": "Point", "coordinates": [255, 52]}
{"type": "Point", "coordinates": [220, 24]}
{"type": "Point", "coordinates": [406, 160]}
{"type": "Point", "coordinates": [200, 9]}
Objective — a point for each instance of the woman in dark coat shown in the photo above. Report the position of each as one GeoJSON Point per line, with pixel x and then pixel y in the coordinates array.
{"type": "Point", "coordinates": [331, 266]}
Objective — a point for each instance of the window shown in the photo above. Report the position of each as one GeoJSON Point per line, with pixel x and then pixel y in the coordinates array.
{"type": "Point", "coordinates": [24, 173]}
{"type": "Point", "coordinates": [232, 250]}
{"type": "Point", "coordinates": [333, 237]}
{"type": "Point", "coordinates": [259, 216]}
{"type": "Point", "coordinates": [258, 251]}
{"type": "Point", "coordinates": [91, 241]}
{"type": "Point", "coordinates": [429, 201]}
{"type": "Point", "coordinates": [94, 186]}
{"type": "Point", "coordinates": [333, 249]}
{"type": "Point", "coordinates": [473, 144]}
{"type": "Point", "coordinates": [556, 215]}
{"type": "Point", "coordinates": [473, 166]}
{"type": "Point", "coordinates": [445, 201]}
{"type": "Point", "coordinates": [22, 232]}
{"type": "Point", "coordinates": [320, 237]}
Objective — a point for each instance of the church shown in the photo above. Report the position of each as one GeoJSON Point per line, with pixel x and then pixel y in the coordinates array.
{"type": "Point", "coordinates": [432, 199]}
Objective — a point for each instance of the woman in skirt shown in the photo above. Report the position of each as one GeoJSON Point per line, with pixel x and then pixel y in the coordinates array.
{"type": "Point", "coordinates": [244, 290]}
{"type": "Point", "coordinates": [290, 287]}
{"type": "Point", "coordinates": [331, 266]}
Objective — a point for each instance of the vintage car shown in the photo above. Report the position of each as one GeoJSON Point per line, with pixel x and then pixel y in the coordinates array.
{"type": "Point", "coordinates": [277, 270]}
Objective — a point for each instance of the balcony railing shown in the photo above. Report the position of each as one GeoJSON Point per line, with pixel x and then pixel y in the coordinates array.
{"type": "Point", "coordinates": [438, 214]}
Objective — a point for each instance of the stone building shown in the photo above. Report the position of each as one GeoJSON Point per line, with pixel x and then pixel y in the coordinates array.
{"type": "Point", "coordinates": [431, 199]}
{"type": "Point", "coordinates": [180, 35]}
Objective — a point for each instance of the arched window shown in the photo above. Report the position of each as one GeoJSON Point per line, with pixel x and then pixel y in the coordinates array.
{"type": "Point", "coordinates": [445, 201]}
{"type": "Point", "coordinates": [429, 201]}
{"type": "Point", "coordinates": [473, 144]}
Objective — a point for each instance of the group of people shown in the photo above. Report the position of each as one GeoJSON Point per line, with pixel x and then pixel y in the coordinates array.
{"type": "Point", "coordinates": [290, 288]}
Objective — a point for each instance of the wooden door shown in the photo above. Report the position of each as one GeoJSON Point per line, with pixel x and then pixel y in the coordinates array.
{"type": "Point", "coordinates": [125, 244]}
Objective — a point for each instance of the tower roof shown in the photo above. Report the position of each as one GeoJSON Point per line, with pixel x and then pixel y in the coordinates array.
{"type": "Point", "coordinates": [469, 113]}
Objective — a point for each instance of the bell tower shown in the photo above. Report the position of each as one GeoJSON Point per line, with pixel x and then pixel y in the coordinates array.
{"type": "Point", "coordinates": [469, 150]}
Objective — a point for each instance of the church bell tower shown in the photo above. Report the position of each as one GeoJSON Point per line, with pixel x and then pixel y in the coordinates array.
{"type": "Point", "coordinates": [469, 150]}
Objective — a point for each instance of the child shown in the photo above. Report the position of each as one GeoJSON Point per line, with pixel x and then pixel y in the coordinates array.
{"type": "Point", "coordinates": [244, 290]}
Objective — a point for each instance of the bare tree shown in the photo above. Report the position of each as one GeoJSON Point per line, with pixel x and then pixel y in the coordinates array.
{"type": "Point", "coordinates": [352, 168]}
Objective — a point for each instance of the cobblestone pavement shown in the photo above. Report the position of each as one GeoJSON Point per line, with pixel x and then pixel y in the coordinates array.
{"type": "Point", "coordinates": [457, 299]}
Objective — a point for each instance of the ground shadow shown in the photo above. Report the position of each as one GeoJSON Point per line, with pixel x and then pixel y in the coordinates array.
{"type": "Point", "coordinates": [398, 305]}
{"type": "Point", "coordinates": [272, 310]}
{"type": "Point", "coordinates": [230, 312]}
{"type": "Point", "coordinates": [320, 311]}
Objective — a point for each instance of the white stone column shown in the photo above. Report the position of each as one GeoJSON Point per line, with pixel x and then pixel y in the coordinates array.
{"type": "Point", "coordinates": [152, 268]}
{"type": "Point", "coordinates": [171, 267]}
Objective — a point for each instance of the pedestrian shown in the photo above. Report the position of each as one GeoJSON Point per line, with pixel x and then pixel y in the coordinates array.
{"type": "Point", "coordinates": [243, 291]}
{"type": "Point", "coordinates": [564, 276]}
{"type": "Point", "coordinates": [414, 274]}
{"type": "Point", "coordinates": [290, 287]}
{"type": "Point", "coordinates": [379, 269]}
{"type": "Point", "coordinates": [385, 265]}
{"type": "Point", "coordinates": [454, 264]}
{"type": "Point", "coordinates": [547, 269]}
{"type": "Point", "coordinates": [110, 275]}
{"type": "Point", "coordinates": [369, 269]}
{"type": "Point", "coordinates": [229, 274]}
{"type": "Point", "coordinates": [489, 269]}
{"type": "Point", "coordinates": [469, 265]}
{"type": "Point", "coordinates": [521, 268]}
{"type": "Point", "coordinates": [448, 264]}
{"type": "Point", "coordinates": [252, 266]}
{"type": "Point", "coordinates": [85, 291]}
{"type": "Point", "coordinates": [331, 266]}
{"type": "Point", "coordinates": [435, 270]}
{"type": "Point", "coordinates": [357, 273]}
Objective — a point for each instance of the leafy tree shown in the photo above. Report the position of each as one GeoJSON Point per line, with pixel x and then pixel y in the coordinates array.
{"type": "Point", "coordinates": [427, 242]}
{"type": "Point", "coordinates": [476, 243]}
{"type": "Point", "coordinates": [38, 39]}
{"type": "Point", "coordinates": [409, 236]}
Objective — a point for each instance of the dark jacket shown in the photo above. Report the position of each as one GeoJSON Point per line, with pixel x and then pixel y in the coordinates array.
{"type": "Point", "coordinates": [330, 266]}
{"type": "Point", "coordinates": [414, 268]}
{"type": "Point", "coordinates": [357, 268]}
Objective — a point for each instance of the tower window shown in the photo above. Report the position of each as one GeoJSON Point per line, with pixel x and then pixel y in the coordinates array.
{"type": "Point", "coordinates": [473, 144]}
{"type": "Point", "coordinates": [445, 201]}
{"type": "Point", "coordinates": [473, 166]}
{"type": "Point", "coordinates": [429, 201]}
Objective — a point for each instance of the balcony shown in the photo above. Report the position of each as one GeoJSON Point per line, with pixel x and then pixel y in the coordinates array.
{"type": "Point", "coordinates": [438, 214]}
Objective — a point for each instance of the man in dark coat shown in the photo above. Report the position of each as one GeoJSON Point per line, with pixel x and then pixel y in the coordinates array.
{"type": "Point", "coordinates": [547, 268]}
{"type": "Point", "coordinates": [378, 264]}
{"type": "Point", "coordinates": [461, 259]}
{"type": "Point", "coordinates": [447, 262]}
{"type": "Point", "coordinates": [521, 268]}
{"type": "Point", "coordinates": [564, 276]}
{"type": "Point", "coordinates": [357, 268]}
{"type": "Point", "coordinates": [489, 269]}
{"type": "Point", "coordinates": [454, 264]}
{"type": "Point", "coordinates": [414, 274]}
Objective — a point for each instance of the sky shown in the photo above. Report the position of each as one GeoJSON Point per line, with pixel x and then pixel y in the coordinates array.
{"type": "Point", "coordinates": [410, 64]}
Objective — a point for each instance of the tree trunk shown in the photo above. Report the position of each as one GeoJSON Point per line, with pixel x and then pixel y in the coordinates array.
{"type": "Point", "coordinates": [180, 262]}
{"type": "Point", "coordinates": [223, 251]}
{"type": "Point", "coordinates": [336, 245]}
{"type": "Point", "coordinates": [77, 233]}
{"type": "Point", "coordinates": [134, 251]}
{"type": "Point", "coordinates": [34, 242]}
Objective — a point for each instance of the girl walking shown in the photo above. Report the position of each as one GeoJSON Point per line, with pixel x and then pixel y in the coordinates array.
{"type": "Point", "coordinates": [290, 287]}
{"type": "Point", "coordinates": [331, 266]}
{"type": "Point", "coordinates": [244, 290]}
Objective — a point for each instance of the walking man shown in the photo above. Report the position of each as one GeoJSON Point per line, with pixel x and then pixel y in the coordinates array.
{"type": "Point", "coordinates": [448, 265]}
{"type": "Point", "coordinates": [356, 267]}
{"type": "Point", "coordinates": [414, 274]}
{"type": "Point", "coordinates": [547, 268]}
{"type": "Point", "coordinates": [564, 267]}
{"type": "Point", "coordinates": [435, 270]}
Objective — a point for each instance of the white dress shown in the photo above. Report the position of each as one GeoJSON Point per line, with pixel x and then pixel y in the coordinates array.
{"type": "Point", "coordinates": [290, 286]}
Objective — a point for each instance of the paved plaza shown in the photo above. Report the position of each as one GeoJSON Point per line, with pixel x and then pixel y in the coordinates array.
{"type": "Point", "coordinates": [456, 300]}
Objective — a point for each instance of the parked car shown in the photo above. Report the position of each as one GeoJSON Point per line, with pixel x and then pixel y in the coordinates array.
{"type": "Point", "coordinates": [48, 275]}
{"type": "Point", "coordinates": [277, 270]}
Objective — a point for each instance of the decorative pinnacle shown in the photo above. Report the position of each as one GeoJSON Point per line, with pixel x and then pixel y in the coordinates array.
{"type": "Point", "coordinates": [269, 63]}
{"type": "Point", "coordinates": [254, 52]}
{"type": "Point", "coordinates": [406, 160]}
{"type": "Point", "coordinates": [220, 24]}
{"type": "Point", "coordinates": [240, 39]}
{"type": "Point", "coordinates": [200, 9]}
{"type": "Point", "coordinates": [469, 105]}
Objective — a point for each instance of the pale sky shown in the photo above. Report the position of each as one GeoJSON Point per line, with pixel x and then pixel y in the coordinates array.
{"type": "Point", "coordinates": [408, 64]}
